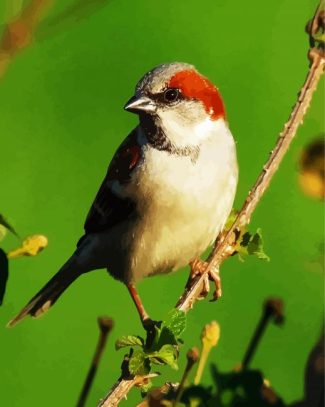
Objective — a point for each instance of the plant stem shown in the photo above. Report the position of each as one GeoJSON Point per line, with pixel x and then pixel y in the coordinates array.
{"type": "Point", "coordinates": [210, 337]}
{"type": "Point", "coordinates": [272, 309]}
{"type": "Point", "coordinates": [192, 358]}
{"type": "Point", "coordinates": [105, 326]}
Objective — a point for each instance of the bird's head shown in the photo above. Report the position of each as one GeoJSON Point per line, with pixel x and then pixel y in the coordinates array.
{"type": "Point", "coordinates": [180, 101]}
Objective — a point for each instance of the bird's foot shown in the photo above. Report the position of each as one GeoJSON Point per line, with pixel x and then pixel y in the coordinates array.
{"type": "Point", "coordinates": [199, 267]}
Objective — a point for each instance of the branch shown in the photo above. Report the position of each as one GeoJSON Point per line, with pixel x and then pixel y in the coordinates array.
{"type": "Point", "coordinates": [120, 389]}
{"type": "Point", "coordinates": [224, 247]}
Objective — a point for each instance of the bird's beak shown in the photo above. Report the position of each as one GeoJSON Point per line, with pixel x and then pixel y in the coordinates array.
{"type": "Point", "coordinates": [140, 104]}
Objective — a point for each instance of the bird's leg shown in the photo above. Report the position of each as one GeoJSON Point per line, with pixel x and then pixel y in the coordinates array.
{"type": "Point", "coordinates": [147, 323]}
{"type": "Point", "coordinates": [198, 268]}
{"type": "Point", "coordinates": [138, 303]}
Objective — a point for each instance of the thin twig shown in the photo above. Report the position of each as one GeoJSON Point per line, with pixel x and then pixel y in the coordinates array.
{"type": "Point", "coordinates": [192, 357]}
{"type": "Point", "coordinates": [272, 310]}
{"type": "Point", "coordinates": [105, 326]}
{"type": "Point", "coordinates": [224, 246]}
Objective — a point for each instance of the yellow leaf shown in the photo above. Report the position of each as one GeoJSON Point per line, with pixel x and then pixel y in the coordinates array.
{"type": "Point", "coordinates": [31, 246]}
{"type": "Point", "coordinates": [211, 334]}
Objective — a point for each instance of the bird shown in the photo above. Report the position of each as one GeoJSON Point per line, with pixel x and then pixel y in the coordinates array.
{"type": "Point", "coordinates": [168, 191]}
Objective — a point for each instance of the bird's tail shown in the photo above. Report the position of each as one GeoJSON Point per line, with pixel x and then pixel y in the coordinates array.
{"type": "Point", "coordinates": [49, 294]}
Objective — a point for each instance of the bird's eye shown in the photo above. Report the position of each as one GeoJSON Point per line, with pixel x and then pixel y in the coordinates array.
{"type": "Point", "coordinates": [170, 95]}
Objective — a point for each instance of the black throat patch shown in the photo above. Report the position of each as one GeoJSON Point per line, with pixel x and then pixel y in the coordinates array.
{"type": "Point", "coordinates": [158, 139]}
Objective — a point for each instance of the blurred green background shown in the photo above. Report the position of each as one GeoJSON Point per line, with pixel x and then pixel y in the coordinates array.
{"type": "Point", "coordinates": [62, 118]}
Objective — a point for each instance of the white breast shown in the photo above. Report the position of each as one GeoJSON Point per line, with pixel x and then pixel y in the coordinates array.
{"type": "Point", "coordinates": [183, 203]}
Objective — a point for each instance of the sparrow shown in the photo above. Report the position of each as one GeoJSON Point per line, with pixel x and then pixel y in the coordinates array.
{"type": "Point", "coordinates": [168, 190]}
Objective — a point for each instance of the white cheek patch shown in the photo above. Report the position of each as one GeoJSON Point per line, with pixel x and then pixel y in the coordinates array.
{"type": "Point", "coordinates": [183, 132]}
{"type": "Point", "coordinates": [205, 127]}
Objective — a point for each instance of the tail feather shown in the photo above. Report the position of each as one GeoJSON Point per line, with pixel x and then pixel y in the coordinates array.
{"type": "Point", "coordinates": [48, 295]}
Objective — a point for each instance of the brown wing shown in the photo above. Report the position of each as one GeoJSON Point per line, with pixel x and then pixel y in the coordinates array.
{"type": "Point", "coordinates": [108, 209]}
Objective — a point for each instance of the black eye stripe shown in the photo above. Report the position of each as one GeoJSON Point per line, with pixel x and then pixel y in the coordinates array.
{"type": "Point", "coordinates": [160, 98]}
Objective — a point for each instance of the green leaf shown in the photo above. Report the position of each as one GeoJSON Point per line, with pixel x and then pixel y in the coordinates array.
{"type": "Point", "coordinates": [167, 338]}
{"type": "Point", "coordinates": [128, 340]}
{"type": "Point", "coordinates": [176, 322]}
{"type": "Point", "coordinates": [248, 244]}
{"type": "Point", "coordinates": [139, 363]}
{"type": "Point", "coordinates": [155, 343]}
{"type": "Point", "coordinates": [252, 245]}
{"type": "Point", "coordinates": [255, 246]}
{"type": "Point", "coordinates": [7, 225]}
{"type": "Point", "coordinates": [167, 355]}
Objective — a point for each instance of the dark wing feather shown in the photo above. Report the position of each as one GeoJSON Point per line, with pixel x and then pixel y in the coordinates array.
{"type": "Point", "coordinates": [108, 209]}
